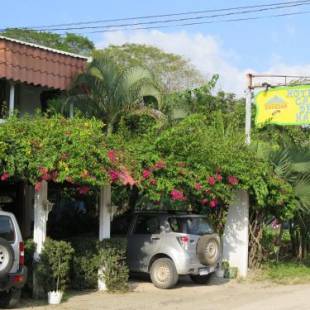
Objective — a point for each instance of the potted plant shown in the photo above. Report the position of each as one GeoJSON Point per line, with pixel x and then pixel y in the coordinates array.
{"type": "Point", "coordinates": [220, 273]}
{"type": "Point", "coordinates": [53, 268]}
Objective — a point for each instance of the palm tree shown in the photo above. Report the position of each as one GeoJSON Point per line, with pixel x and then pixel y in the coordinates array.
{"type": "Point", "coordinates": [105, 91]}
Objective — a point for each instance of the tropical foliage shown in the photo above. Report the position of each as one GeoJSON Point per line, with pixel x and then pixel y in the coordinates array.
{"type": "Point", "coordinates": [69, 42]}
{"type": "Point", "coordinates": [105, 91]}
{"type": "Point", "coordinates": [60, 150]}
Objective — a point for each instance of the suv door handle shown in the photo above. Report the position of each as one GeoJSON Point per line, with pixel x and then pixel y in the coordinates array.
{"type": "Point", "coordinates": [155, 238]}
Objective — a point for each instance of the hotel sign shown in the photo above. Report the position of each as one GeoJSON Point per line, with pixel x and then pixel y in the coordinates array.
{"type": "Point", "coordinates": [283, 105]}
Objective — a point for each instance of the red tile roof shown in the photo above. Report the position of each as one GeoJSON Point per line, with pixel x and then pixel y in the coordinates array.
{"type": "Point", "coordinates": [38, 65]}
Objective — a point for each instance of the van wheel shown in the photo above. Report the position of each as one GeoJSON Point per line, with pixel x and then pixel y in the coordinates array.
{"type": "Point", "coordinates": [201, 279]}
{"type": "Point", "coordinates": [10, 299]}
{"type": "Point", "coordinates": [163, 273]}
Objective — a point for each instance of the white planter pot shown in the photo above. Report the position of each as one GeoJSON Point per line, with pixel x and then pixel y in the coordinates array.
{"type": "Point", "coordinates": [220, 273]}
{"type": "Point", "coordinates": [55, 297]}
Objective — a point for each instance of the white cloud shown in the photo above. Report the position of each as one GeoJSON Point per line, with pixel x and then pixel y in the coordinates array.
{"type": "Point", "coordinates": [206, 52]}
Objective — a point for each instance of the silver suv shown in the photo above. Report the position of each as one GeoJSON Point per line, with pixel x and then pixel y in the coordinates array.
{"type": "Point", "coordinates": [13, 273]}
{"type": "Point", "coordinates": [167, 245]}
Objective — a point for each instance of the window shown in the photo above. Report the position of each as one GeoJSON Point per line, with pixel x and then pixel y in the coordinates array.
{"type": "Point", "coordinates": [190, 225]}
{"type": "Point", "coordinates": [6, 229]}
{"type": "Point", "coordinates": [147, 225]}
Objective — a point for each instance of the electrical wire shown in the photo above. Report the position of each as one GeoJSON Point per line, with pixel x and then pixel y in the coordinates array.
{"type": "Point", "coordinates": [200, 23]}
{"type": "Point", "coordinates": [264, 7]}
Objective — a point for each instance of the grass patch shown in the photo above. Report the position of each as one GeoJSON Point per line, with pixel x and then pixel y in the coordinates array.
{"type": "Point", "coordinates": [286, 272]}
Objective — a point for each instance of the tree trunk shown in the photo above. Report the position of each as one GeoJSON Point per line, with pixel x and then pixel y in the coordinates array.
{"type": "Point", "coordinates": [256, 234]}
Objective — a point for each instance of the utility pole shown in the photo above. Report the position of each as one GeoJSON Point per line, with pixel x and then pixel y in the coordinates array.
{"type": "Point", "coordinates": [248, 109]}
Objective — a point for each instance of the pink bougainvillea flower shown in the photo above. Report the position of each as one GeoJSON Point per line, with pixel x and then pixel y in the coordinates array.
{"type": "Point", "coordinates": [153, 182]}
{"type": "Point", "coordinates": [83, 190]}
{"type": "Point", "coordinates": [232, 180]}
{"type": "Point", "coordinates": [160, 165]}
{"type": "Point", "coordinates": [211, 180]}
{"type": "Point", "coordinates": [38, 186]}
{"type": "Point", "coordinates": [112, 155]}
{"type": "Point", "coordinates": [208, 191]}
{"type": "Point", "coordinates": [5, 175]}
{"type": "Point", "coordinates": [213, 203]}
{"type": "Point", "coordinates": [126, 178]}
{"type": "Point", "coordinates": [114, 175]}
{"type": "Point", "coordinates": [198, 187]}
{"type": "Point", "coordinates": [219, 177]}
{"type": "Point", "coordinates": [146, 173]}
{"type": "Point", "coordinates": [204, 201]}
{"type": "Point", "coordinates": [46, 177]}
{"type": "Point", "coordinates": [43, 170]}
{"type": "Point", "coordinates": [177, 195]}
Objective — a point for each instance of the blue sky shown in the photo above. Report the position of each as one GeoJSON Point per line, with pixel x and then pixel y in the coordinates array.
{"type": "Point", "coordinates": [263, 45]}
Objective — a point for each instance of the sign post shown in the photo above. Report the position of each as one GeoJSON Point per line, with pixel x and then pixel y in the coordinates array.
{"type": "Point", "coordinates": [248, 110]}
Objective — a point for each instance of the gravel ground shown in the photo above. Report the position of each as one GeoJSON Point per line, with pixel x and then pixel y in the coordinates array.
{"type": "Point", "coordinates": [216, 296]}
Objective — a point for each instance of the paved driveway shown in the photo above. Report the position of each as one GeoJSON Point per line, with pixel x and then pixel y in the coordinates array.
{"type": "Point", "coordinates": [187, 296]}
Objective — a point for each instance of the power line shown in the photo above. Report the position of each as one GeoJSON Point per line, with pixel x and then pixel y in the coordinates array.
{"type": "Point", "coordinates": [119, 26]}
{"type": "Point", "coordinates": [205, 22]}
{"type": "Point", "coordinates": [47, 27]}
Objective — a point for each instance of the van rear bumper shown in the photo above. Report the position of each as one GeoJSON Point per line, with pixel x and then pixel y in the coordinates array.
{"type": "Point", "coordinates": [14, 280]}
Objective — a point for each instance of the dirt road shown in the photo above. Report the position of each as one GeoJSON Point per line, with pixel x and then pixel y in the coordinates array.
{"type": "Point", "coordinates": [215, 296]}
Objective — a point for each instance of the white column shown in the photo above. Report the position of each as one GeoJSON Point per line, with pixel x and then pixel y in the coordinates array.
{"type": "Point", "coordinates": [105, 212]}
{"type": "Point", "coordinates": [71, 110]}
{"type": "Point", "coordinates": [104, 226]}
{"type": "Point", "coordinates": [41, 210]}
{"type": "Point", "coordinates": [236, 233]}
{"type": "Point", "coordinates": [12, 99]}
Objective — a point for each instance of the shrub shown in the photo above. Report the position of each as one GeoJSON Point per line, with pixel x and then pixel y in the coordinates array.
{"type": "Point", "coordinates": [54, 265]}
{"type": "Point", "coordinates": [91, 255]}
{"type": "Point", "coordinates": [84, 271]}
{"type": "Point", "coordinates": [112, 257]}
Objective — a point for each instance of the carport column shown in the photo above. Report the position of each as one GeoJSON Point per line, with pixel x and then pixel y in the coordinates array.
{"type": "Point", "coordinates": [104, 224]}
{"type": "Point", "coordinates": [236, 237]}
{"type": "Point", "coordinates": [12, 99]}
{"type": "Point", "coordinates": [41, 209]}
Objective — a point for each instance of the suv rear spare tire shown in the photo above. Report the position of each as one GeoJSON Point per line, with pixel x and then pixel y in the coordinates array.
{"type": "Point", "coordinates": [208, 249]}
{"type": "Point", "coordinates": [163, 273]}
{"type": "Point", "coordinates": [6, 257]}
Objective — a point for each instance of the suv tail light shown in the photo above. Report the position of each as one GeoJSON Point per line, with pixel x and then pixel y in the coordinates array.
{"type": "Point", "coordinates": [21, 254]}
{"type": "Point", "coordinates": [184, 241]}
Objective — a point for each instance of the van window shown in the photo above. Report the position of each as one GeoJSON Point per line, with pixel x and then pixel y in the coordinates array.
{"type": "Point", "coordinates": [6, 228]}
{"type": "Point", "coordinates": [147, 225]}
{"type": "Point", "coordinates": [190, 225]}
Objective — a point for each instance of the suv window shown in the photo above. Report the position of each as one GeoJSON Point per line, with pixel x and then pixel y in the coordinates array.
{"type": "Point", "coordinates": [6, 228]}
{"type": "Point", "coordinates": [190, 225]}
{"type": "Point", "coordinates": [147, 225]}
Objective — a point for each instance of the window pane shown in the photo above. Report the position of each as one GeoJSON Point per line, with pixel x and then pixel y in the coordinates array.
{"type": "Point", "coordinates": [6, 229]}
{"type": "Point", "coordinates": [147, 225]}
{"type": "Point", "coordinates": [190, 225]}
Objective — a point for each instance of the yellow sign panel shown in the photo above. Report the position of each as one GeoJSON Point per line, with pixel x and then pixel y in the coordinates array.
{"type": "Point", "coordinates": [283, 105]}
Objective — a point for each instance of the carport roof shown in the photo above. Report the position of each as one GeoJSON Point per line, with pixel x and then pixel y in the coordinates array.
{"type": "Point", "coordinates": [38, 65]}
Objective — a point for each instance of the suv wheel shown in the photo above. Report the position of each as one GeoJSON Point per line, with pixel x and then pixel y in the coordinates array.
{"type": "Point", "coordinates": [10, 299]}
{"type": "Point", "coordinates": [208, 250]}
{"type": "Point", "coordinates": [201, 279]}
{"type": "Point", "coordinates": [6, 257]}
{"type": "Point", "coordinates": [163, 273]}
